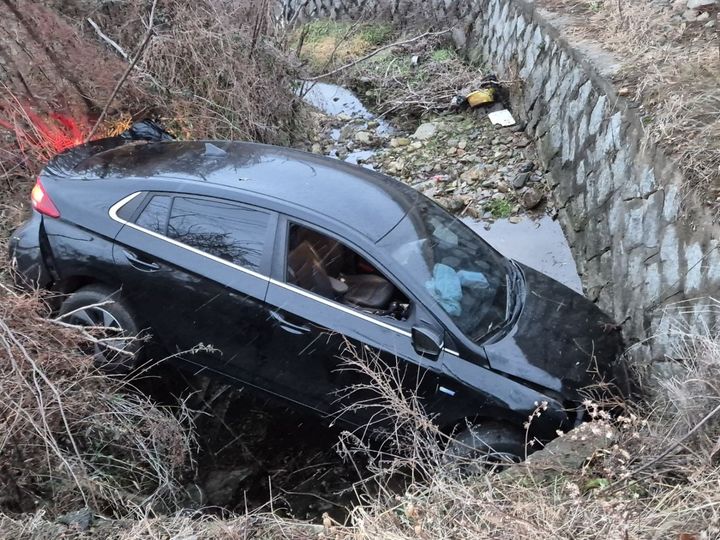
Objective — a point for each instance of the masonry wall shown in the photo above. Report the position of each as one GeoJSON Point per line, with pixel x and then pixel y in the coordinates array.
{"type": "Point", "coordinates": [639, 246]}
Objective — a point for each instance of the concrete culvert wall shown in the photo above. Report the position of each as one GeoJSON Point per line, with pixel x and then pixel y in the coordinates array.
{"type": "Point", "coordinates": [640, 244]}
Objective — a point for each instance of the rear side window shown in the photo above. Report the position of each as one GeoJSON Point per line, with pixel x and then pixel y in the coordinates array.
{"type": "Point", "coordinates": [154, 216]}
{"type": "Point", "coordinates": [229, 231]}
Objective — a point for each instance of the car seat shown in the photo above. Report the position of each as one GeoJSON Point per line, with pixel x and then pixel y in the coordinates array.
{"type": "Point", "coordinates": [305, 269]}
{"type": "Point", "coordinates": [368, 291]}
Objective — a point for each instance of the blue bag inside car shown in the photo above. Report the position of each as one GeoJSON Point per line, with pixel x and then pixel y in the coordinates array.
{"type": "Point", "coordinates": [446, 286]}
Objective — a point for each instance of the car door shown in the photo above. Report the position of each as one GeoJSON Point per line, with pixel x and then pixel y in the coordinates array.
{"type": "Point", "coordinates": [313, 333]}
{"type": "Point", "coordinates": [195, 270]}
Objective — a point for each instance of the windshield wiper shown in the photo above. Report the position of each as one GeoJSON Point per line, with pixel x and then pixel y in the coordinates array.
{"type": "Point", "coordinates": [514, 285]}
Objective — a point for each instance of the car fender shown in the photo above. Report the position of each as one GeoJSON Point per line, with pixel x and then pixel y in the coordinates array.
{"type": "Point", "coordinates": [501, 397]}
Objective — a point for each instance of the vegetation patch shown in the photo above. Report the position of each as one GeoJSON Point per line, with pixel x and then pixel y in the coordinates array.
{"type": "Point", "coordinates": [325, 44]}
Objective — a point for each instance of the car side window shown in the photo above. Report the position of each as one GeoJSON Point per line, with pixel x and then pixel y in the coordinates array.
{"type": "Point", "coordinates": [230, 231]}
{"type": "Point", "coordinates": [326, 267]}
{"type": "Point", "coordinates": [154, 216]}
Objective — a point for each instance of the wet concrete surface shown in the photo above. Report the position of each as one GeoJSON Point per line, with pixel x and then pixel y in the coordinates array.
{"type": "Point", "coordinates": [538, 243]}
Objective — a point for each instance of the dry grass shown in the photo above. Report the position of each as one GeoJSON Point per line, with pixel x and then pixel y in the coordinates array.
{"type": "Point", "coordinates": [671, 67]}
{"type": "Point", "coordinates": [325, 44]}
{"type": "Point", "coordinates": [396, 86]}
{"type": "Point", "coordinates": [262, 526]}
{"type": "Point", "coordinates": [72, 437]}
{"type": "Point", "coordinates": [213, 68]}
{"type": "Point", "coordinates": [651, 473]}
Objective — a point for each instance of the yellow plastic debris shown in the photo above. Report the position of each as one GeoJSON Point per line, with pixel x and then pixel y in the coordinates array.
{"type": "Point", "coordinates": [481, 97]}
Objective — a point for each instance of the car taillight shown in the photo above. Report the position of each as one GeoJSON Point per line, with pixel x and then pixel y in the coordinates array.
{"type": "Point", "coordinates": [42, 202]}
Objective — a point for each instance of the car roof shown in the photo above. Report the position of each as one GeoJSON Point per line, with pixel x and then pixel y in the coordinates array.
{"type": "Point", "coordinates": [367, 201]}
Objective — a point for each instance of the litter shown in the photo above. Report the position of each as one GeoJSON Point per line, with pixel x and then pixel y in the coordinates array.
{"type": "Point", "coordinates": [146, 130]}
{"type": "Point", "coordinates": [501, 118]}
{"type": "Point", "coordinates": [481, 97]}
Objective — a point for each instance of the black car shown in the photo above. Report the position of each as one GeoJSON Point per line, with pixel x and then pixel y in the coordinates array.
{"type": "Point", "coordinates": [273, 258]}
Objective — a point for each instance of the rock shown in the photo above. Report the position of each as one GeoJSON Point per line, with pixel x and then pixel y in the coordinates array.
{"type": "Point", "coordinates": [502, 187]}
{"type": "Point", "coordinates": [624, 91]}
{"type": "Point", "coordinates": [452, 142]}
{"type": "Point", "coordinates": [80, 519]}
{"type": "Point", "coordinates": [520, 180]}
{"type": "Point", "coordinates": [395, 166]}
{"type": "Point", "coordinates": [416, 145]}
{"type": "Point", "coordinates": [471, 174]}
{"type": "Point", "coordinates": [399, 141]}
{"type": "Point", "coordinates": [528, 166]}
{"type": "Point", "coordinates": [532, 198]}
{"type": "Point", "coordinates": [425, 131]}
{"type": "Point", "coordinates": [363, 137]}
{"type": "Point", "coordinates": [704, 16]}
{"type": "Point", "coordinates": [344, 117]}
{"type": "Point", "coordinates": [691, 15]}
{"type": "Point", "coordinates": [701, 4]}
{"type": "Point", "coordinates": [221, 486]}
{"type": "Point", "coordinates": [317, 148]}
{"type": "Point", "coordinates": [489, 183]}
{"type": "Point", "coordinates": [571, 451]}
{"type": "Point", "coordinates": [346, 132]}
{"type": "Point", "coordinates": [372, 124]}
{"type": "Point", "coordinates": [515, 219]}
{"type": "Point", "coordinates": [462, 144]}
{"type": "Point", "coordinates": [454, 204]}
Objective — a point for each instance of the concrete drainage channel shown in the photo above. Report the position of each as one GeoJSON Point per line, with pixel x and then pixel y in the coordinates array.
{"type": "Point", "coordinates": [639, 244]}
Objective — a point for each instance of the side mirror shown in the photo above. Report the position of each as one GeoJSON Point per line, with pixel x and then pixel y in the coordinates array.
{"type": "Point", "coordinates": [426, 342]}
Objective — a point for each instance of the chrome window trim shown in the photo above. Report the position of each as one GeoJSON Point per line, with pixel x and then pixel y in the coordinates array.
{"type": "Point", "coordinates": [340, 307]}
{"type": "Point", "coordinates": [115, 208]}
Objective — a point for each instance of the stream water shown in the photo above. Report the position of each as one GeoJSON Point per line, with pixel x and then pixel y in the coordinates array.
{"type": "Point", "coordinates": [538, 242]}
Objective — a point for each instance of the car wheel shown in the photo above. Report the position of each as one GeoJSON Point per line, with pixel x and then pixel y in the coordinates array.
{"type": "Point", "coordinates": [487, 445]}
{"type": "Point", "coordinates": [101, 307]}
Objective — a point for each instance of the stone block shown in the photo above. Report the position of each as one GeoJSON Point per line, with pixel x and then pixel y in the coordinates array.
{"type": "Point", "coordinates": [669, 257]}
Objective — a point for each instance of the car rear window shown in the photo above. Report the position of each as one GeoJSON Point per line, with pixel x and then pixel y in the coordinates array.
{"type": "Point", "coordinates": [154, 216]}
{"type": "Point", "coordinates": [232, 232]}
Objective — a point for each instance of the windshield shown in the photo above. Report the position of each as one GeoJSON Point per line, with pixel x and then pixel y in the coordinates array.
{"type": "Point", "coordinates": [467, 278]}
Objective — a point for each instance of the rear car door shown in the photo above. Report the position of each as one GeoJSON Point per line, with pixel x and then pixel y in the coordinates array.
{"type": "Point", "coordinates": [194, 269]}
{"type": "Point", "coordinates": [318, 312]}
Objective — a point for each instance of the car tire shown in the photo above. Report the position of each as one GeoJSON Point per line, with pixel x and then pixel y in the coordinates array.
{"type": "Point", "coordinates": [81, 308]}
{"type": "Point", "coordinates": [487, 444]}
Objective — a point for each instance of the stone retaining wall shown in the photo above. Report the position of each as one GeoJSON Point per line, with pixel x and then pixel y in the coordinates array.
{"type": "Point", "coordinates": [639, 247]}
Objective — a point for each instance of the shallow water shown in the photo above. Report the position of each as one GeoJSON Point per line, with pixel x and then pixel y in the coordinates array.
{"type": "Point", "coordinates": [334, 100]}
{"type": "Point", "coordinates": [538, 243]}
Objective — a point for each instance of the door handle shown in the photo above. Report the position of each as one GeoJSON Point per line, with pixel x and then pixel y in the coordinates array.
{"type": "Point", "coordinates": [288, 326]}
{"type": "Point", "coordinates": [137, 262]}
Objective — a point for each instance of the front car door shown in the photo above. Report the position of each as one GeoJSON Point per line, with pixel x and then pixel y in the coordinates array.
{"type": "Point", "coordinates": [326, 297]}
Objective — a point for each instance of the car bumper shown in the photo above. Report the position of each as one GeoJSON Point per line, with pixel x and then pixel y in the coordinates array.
{"type": "Point", "coordinates": [26, 256]}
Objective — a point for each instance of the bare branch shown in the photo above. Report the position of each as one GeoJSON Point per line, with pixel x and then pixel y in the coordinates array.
{"type": "Point", "coordinates": [107, 39]}
{"type": "Point", "coordinates": [138, 54]}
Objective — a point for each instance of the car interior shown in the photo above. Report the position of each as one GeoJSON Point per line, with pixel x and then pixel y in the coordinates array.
{"type": "Point", "coordinates": [323, 265]}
